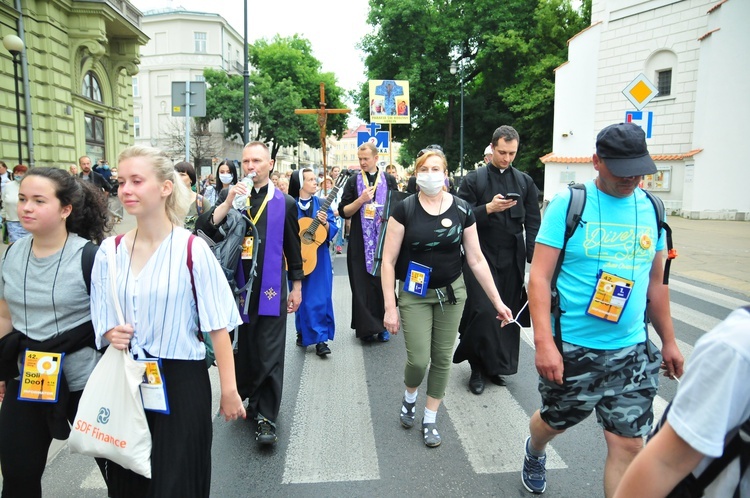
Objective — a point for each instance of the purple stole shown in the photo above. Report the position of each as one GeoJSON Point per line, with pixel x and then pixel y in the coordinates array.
{"type": "Point", "coordinates": [270, 283]}
{"type": "Point", "coordinates": [371, 228]}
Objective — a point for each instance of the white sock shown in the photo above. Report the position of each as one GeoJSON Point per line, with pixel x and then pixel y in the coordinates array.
{"type": "Point", "coordinates": [410, 397]}
{"type": "Point", "coordinates": [429, 416]}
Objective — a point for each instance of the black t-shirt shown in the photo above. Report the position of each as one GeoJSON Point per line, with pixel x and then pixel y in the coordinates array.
{"type": "Point", "coordinates": [433, 241]}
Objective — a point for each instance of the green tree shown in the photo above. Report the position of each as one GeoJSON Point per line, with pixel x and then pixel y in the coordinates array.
{"type": "Point", "coordinates": [285, 76]}
{"type": "Point", "coordinates": [508, 51]}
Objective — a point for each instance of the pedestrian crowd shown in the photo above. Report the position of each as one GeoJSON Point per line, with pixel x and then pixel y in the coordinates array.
{"type": "Point", "coordinates": [214, 266]}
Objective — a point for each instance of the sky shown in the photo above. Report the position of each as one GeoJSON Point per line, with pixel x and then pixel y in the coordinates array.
{"type": "Point", "coordinates": [333, 32]}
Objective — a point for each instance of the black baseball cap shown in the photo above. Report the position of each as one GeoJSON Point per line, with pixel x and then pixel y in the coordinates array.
{"type": "Point", "coordinates": [623, 148]}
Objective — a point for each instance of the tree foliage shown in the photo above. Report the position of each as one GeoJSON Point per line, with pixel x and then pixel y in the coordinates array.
{"type": "Point", "coordinates": [285, 76]}
{"type": "Point", "coordinates": [508, 51]}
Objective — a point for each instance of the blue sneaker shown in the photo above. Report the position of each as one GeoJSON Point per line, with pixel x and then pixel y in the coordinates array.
{"type": "Point", "coordinates": [534, 474]}
{"type": "Point", "coordinates": [384, 336]}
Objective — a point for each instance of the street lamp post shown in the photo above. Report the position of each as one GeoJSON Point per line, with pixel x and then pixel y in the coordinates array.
{"type": "Point", "coordinates": [460, 68]}
{"type": "Point", "coordinates": [14, 45]}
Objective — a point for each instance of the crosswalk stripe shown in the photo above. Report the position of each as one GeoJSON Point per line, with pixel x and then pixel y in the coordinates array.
{"type": "Point", "coordinates": [693, 317]}
{"type": "Point", "coordinates": [94, 479]}
{"type": "Point", "coordinates": [317, 455]}
{"type": "Point", "coordinates": [704, 294]}
{"type": "Point", "coordinates": [493, 430]}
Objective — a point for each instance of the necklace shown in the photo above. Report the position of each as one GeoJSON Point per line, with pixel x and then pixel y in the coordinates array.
{"type": "Point", "coordinates": [54, 282]}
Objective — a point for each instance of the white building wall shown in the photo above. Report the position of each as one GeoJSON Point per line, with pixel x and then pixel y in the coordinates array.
{"type": "Point", "coordinates": [708, 96]}
{"type": "Point", "coordinates": [721, 179]}
{"type": "Point", "coordinates": [171, 56]}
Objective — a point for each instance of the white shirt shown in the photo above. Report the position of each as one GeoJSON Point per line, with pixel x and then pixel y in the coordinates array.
{"type": "Point", "coordinates": [713, 399]}
{"type": "Point", "coordinates": [159, 303]}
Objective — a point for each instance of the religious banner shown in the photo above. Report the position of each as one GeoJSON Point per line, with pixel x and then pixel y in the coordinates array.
{"type": "Point", "coordinates": [389, 102]}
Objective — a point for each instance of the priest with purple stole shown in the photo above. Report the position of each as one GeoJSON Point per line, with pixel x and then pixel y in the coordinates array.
{"type": "Point", "coordinates": [363, 200]}
{"type": "Point", "coordinates": [259, 363]}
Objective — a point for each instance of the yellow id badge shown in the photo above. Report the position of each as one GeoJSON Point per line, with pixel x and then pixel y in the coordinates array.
{"type": "Point", "coordinates": [153, 390]}
{"type": "Point", "coordinates": [40, 378]}
{"type": "Point", "coordinates": [370, 211]}
{"type": "Point", "coordinates": [247, 248]}
{"type": "Point", "coordinates": [610, 297]}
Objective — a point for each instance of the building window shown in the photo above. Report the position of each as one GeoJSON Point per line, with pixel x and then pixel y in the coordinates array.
{"type": "Point", "coordinates": [91, 87]}
{"type": "Point", "coordinates": [664, 82]}
{"type": "Point", "coordinates": [95, 142]}
{"type": "Point", "coordinates": [136, 126]}
{"type": "Point", "coordinates": [229, 53]}
{"type": "Point", "coordinates": [200, 77]}
{"type": "Point", "coordinates": [136, 90]}
{"type": "Point", "coordinates": [200, 43]}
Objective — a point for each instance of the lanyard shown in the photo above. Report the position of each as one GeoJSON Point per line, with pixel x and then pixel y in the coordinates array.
{"type": "Point", "coordinates": [262, 208]}
{"type": "Point", "coordinates": [366, 181]}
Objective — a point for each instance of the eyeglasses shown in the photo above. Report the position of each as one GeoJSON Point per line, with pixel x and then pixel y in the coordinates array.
{"type": "Point", "coordinates": [434, 147]}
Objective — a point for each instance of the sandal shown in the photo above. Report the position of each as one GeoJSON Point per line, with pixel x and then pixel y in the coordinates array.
{"type": "Point", "coordinates": [408, 412]}
{"type": "Point", "coordinates": [431, 435]}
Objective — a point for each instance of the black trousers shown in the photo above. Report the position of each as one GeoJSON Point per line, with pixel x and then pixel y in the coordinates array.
{"type": "Point", "coordinates": [25, 437]}
{"type": "Point", "coordinates": [181, 452]}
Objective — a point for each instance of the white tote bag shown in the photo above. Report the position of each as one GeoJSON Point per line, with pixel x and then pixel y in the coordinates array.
{"type": "Point", "coordinates": [110, 422]}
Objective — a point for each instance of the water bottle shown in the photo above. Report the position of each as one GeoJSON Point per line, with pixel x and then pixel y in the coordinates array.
{"type": "Point", "coordinates": [240, 200]}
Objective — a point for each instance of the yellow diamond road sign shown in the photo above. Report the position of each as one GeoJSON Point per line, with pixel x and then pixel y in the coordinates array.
{"type": "Point", "coordinates": [640, 91]}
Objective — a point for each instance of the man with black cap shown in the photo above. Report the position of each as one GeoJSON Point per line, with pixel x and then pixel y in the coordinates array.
{"type": "Point", "coordinates": [613, 268]}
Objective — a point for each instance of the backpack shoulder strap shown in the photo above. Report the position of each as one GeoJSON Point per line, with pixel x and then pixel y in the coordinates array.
{"type": "Point", "coordinates": [483, 178]}
{"type": "Point", "coordinates": [189, 263]}
{"type": "Point", "coordinates": [410, 208]}
{"type": "Point", "coordinates": [88, 255]}
{"type": "Point", "coordinates": [463, 208]}
{"type": "Point", "coordinates": [118, 239]}
{"type": "Point", "coordinates": [662, 224]}
{"type": "Point", "coordinates": [576, 205]}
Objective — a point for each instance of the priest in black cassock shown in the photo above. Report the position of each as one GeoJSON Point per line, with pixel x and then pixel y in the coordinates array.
{"type": "Point", "coordinates": [259, 362]}
{"type": "Point", "coordinates": [502, 219]}
{"type": "Point", "coordinates": [363, 200]}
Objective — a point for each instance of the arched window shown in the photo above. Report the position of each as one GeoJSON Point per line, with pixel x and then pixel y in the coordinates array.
{"type": "Point", "coordinates": [91, 87]}
{"type": "Point", "coordinates": [660, 68]}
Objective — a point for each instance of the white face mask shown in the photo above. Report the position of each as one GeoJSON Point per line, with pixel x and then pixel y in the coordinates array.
{"type": "Point", "coordinates": [226, 178]}
{"type": "Point", "coordinates": [431, 183]}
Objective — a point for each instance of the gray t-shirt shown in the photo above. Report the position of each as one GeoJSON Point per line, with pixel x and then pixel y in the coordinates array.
{"type": "Point", "coordinates": [55, 299]}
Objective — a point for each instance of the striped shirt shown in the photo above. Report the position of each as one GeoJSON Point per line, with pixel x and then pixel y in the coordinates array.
{"type": "Point", "coordinates": [159, 303]}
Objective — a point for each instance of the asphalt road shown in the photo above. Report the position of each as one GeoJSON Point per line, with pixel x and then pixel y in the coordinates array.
{"type": "Point", "coordinates": [339, 433]}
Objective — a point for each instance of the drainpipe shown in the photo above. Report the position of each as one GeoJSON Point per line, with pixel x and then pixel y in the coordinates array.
{"type": "Point", "coordinates": [26, 94]}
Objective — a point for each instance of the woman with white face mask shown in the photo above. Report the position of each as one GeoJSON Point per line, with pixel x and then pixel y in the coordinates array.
{"type": "Point", "coordinates": [427, 259]}
{"type": "Point", "coordinates": [226, 176]}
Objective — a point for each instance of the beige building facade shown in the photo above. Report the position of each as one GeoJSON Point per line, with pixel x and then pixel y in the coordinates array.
{"type": "Point", "coordinates": [74, 79]}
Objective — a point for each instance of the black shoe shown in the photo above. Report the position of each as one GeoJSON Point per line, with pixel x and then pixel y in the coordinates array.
{"type": "Point", "coordinates": [497, 380]}
{"type": "Point", "coordinates": [322, 349]}
{"type": "Point", "coordinates": [266, 432]}
{"type": "Point", "coordinates": [476, 382]}
{"type": "Point", "coordinates": [299, 340]}
{"type": "Point", "coordinates": [369, 338]}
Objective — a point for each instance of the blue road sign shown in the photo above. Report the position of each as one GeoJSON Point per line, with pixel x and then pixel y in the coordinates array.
{"type": "Point", "coordinates": [644, 119]}
{"type": "Point", "coordinates": [379, 138]}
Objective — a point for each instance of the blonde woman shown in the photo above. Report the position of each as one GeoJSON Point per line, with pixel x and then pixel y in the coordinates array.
{"type": "Point", "coordinates": [160, 274]}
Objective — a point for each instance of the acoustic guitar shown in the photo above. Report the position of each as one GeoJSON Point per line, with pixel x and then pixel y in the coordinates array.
{"type": "Point", "coordinates": [312, 233]}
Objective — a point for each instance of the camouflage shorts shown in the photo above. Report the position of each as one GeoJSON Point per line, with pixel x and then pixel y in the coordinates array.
{"type": "Point", "coordinates": [619, 384]}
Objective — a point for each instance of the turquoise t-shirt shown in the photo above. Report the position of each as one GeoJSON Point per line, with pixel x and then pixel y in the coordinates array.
{"type": "Point", "coordinates": [617, 236]}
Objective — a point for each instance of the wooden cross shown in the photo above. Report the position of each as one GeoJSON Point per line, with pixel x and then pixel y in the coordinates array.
{"type": "Point", "coordinates": [323, 113]}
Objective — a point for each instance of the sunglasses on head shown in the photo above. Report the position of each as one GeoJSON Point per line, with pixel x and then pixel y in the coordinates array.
{"type": "Point", "coordinates": [433, 147]}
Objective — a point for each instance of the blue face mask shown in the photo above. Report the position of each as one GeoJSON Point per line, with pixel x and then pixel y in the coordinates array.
{"type": "Point", "coordinates": [105, 166]}
{"type": "Point", "coordinates": [18, 178]}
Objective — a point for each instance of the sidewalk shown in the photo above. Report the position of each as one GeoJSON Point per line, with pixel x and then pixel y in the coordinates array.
{"type": "Point", "coordinates": [712, 251]}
